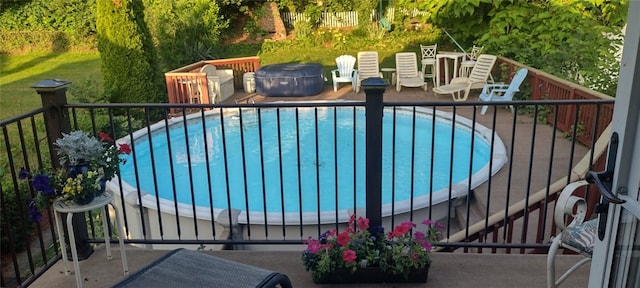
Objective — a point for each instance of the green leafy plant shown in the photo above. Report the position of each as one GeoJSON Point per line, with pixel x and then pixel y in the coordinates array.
{"type": "Point", "coordinates": [398, 252]}
{"type": "Point", "coordinates": [78, 147]}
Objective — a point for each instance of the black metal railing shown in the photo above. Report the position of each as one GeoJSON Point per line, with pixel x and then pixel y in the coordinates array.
{"type": "Point", "coordinates": [525, 158]}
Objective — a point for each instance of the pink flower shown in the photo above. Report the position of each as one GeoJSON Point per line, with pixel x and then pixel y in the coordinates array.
{"type": "Point", "coordinates": [350, 226]}
{"type": "Point", "coordinates": [418, 236]}
{"type": "Point", "coordinates": [124, 148]}
{"type": "Point", "coordinates": [407, 225]}
{"type": "Point", "coordinates": [401, 229]}
{"type": "Point", "coordinates": [414, 256]}
{"type": "Point", "coordinates": [427, 246]}
{"type": "Point", "coordinates": [352, 219]}
{"type": "Point", "coordinates": [363, 223]}
{"type": "Point", "coordinates": [349, 256]}
{"type": "Point", "coordinates": [427, 222]}
{"type": "Point", "coordinates": [313, 246]}
{"type": "Point", "coordinates": [105, 137]}
{"type": "Point", "coordinates": [343, 238]}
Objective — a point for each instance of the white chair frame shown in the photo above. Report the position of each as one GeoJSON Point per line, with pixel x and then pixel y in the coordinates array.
{"type": "Point", "coordinates": [428, 53]}
{"type": "Point", "coordinates": [470, 61]}
{"type": "Point", "coordinates": [344, 72]}
{"type": "Point", "coordinates": [368, 66]}
{"type": "Point", "coordinates": [567, 205]}
{"type": "Point", "coordinates": [407, 73]}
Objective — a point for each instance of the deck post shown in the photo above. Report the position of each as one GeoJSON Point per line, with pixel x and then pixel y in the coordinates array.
{"type": "Point", "coordinates": [374, 90]}
{"type": "Point", "coordinates": [56, 118]}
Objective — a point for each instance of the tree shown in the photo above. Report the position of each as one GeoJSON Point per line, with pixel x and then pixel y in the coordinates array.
{"type": "Point", "coordinates": [185, 31]}
{"type": "Point", "coordinates": [576, 39]}
{"type": "Point", "coordinates": [129, 63]}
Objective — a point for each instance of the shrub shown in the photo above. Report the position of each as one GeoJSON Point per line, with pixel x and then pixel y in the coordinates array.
{"type": "Point", "coordinates": [15, 230]}
{"type": "Point", "coordinates": [47, 25]}
{"type": "Point", "coordinates": [185, 31]}
{"type": "Point", "coordinates": [129, 63]}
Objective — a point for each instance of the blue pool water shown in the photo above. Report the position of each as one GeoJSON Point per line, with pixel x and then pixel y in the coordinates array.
{"type": "Point", "coordinates": [257, 175]}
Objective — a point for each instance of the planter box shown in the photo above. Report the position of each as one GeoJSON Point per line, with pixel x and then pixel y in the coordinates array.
{"type": "Point", "coordinates": [374, 275]}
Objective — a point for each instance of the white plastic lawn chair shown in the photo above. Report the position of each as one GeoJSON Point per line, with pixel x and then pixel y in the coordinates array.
{"type": "Point", "coordinates": [459, 87]}
{"type": "Point", "coordinates": [503, 92]}
{"type": "Point", "coordinates": [470, 60]}
{"type": "Point", "coordinates": [407, 73]}
{"type": "Point", "coordinates": [428, 53]}
{"type": "Point", "coordinates": [345, 71]}
{"type": "Point", "coordinates": [368, 66]}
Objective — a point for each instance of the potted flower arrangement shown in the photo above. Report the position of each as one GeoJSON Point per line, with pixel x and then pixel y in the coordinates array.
{"type": "Point", "coordinates": [366, 254]}
{"type": "Point", "coordinates": [88, 163]}
{"type": "Point", "coordinates": [80, 152]}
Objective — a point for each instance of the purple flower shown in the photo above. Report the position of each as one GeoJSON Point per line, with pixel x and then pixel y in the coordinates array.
{"type": "Point", "coordinates": [49, 192]}
{"type": "Point", "coordinates": [376, 230]}
{"type": "Point", "coordinates": [42, 183]}
{"type": "Point", "coordinates": [313, 246]}
{"type": "Point", "coordinates": [324, 235]}
{"type": "Point", "coordinates": [34, 214]}
{"type": "Point", "coordinates": [24, 174]}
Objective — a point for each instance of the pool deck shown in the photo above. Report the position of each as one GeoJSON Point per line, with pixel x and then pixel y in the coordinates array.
{"type": "Point", "coordinates": [451, 270]}
{"type": "Point", "coordinates": [522, 183]}
{"type": "Point", "coordinates": [448, 269]}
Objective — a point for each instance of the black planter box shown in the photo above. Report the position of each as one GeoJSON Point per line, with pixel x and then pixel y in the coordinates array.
{"type": "Point", "coordinates": [374, 275]}
{"type": "Point", "coordinates": [292, 79]}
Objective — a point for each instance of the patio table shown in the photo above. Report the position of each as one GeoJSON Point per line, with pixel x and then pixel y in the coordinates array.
{"type": "Point", "coordinates": [445, 57]}
{"type": "Point", "coordinates": [389, 73]}
{"type": "Point", "coordinates": [69, 207]}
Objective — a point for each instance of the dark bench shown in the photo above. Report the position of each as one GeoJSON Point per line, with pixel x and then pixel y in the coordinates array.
{"type": "Point", "coordinates": [187, 268]}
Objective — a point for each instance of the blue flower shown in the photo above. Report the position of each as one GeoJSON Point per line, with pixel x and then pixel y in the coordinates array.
{"type": "Point", "coordinates": [376, 230]}
{"type": "Point", "coordinates": [323, 237]}
{"type": "Point", "coordinates": [42, 183]}
{"type": "Point", "coordinates": [49, 191]}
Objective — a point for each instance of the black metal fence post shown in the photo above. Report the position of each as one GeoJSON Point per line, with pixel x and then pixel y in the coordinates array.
{"type": "Point", "coordinates": [56, 120]}
{"type": "Point", "coordinates": [374, 90]}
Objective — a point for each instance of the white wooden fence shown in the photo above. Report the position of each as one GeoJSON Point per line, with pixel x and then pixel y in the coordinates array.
{"type": "Point", "coordinates": [344, 19]}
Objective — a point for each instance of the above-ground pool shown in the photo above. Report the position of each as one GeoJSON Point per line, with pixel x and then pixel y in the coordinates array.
{"type": "Point", "coordinates": [275, 179]}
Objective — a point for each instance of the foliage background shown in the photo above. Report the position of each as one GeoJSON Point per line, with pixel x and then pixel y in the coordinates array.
{"type": "Point", "coordinates": [574, 39]}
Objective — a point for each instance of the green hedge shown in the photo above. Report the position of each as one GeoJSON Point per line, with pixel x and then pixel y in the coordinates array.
{"type": "Point", "coordinates": [24, 42]}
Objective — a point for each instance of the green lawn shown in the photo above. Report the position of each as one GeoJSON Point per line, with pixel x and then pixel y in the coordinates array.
{"type": "Point", "coordinates": [18, 73]}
